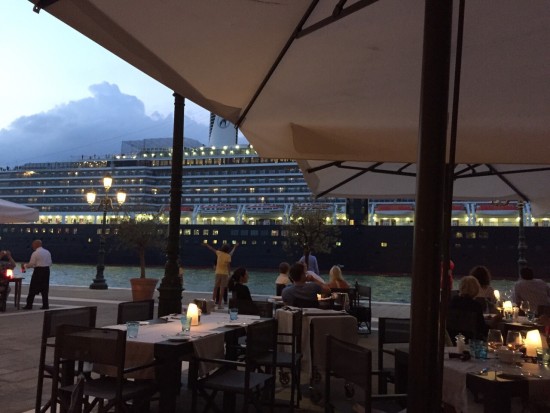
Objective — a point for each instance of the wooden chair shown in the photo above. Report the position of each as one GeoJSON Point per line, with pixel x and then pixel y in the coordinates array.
{"type": "Point", "coordinates": [289, 353]}
{"type": "Point", "coordinates": [351, 366]}
{"type": "Point", "coordinates": [262, 308]}
{"type": "Point", "coordinates": [135, 311]}
{"type": "Point", "coordinates": [82, 316]}
{"type": "Point", "coordinates": [390, 331]}
{"type": "Point", "coordinates": [107, 347]}
{"type": "Point", "coordinates": [361, 305]}
{"type": "Point", "coordinates": [461, 321]}
{"type": "Point", "coordinates": [240, 377]}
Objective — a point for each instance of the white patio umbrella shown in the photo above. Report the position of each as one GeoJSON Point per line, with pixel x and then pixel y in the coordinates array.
{"type": "Point", "coordinates": [11, 212]}
{"type": "Point", "coordinates": [346, 80]}
{"type": "Point", "coordinates": [473, 182]}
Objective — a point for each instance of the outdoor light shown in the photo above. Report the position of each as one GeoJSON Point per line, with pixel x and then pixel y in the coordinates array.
{"type": "Point", "coordinates": [105, 204]}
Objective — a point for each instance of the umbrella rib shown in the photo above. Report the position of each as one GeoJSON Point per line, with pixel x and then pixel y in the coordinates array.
{"type": "Point", "coordinates": [325, 166]}
{"type": "Point", "coordinates": [338, 13]}
{"type": "Point", "coordinates": [507, 182]}
{"type": "Point", "coordinates": [338, 185]}
{"type": "Point", "coordinates": [277, 61]}
{"type": "Point", "coordinates": [42, 4]}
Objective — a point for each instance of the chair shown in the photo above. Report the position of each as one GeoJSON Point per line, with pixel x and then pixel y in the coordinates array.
{"type": "Point", "coordinates": [135, 311]}
{"type": "Point", "coordinates": [390, 331]}
{"type": "Point", "coordinates": [361, 305]}
{"type": "Point", "coordinates": [240, 377]}
{"type": "Point", "coordinates": [352, 364]}
{"type": "Point", "coordinates": [543, 310]}
{"type": "Point", "coordinates": [462, 321]}
{"type": "Point", "coordinates": [289, 353]}
{"type": "Point", "coordinates": [78, 345]}
{"type": "Point", "coordinates": [77, 396]}
{"type": "Point", "coordinates": [4, 291]}
{"type": "Point", "coordinates": [262, 308]}
{"type": "Point", "coordinates": [82, 316]}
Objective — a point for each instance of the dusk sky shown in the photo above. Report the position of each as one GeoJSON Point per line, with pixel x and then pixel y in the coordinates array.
{"type": "Point", "coordinates": [63, 96]}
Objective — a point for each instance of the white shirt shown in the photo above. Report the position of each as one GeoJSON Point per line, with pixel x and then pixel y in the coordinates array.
{"type": "Point", "coordinates": [41, 257]}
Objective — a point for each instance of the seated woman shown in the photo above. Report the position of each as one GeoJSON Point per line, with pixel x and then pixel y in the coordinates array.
{"type": "Point", "coordinates": [283, 279]}
{"type": "Point", "coordinates": [466, 314]}
{"type": "Point", "coordinates": [486, 295]}
{"type": "Point", "coordinates": [336, 280]}
{"type": "Point", "coordinates": [236, 285]}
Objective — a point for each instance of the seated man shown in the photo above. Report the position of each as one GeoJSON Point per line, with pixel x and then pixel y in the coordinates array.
{"type": "Point", "coordinates": [304, 288]}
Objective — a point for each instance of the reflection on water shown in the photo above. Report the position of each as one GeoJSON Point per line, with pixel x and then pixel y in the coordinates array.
{"type": "Point", "coordinates": [385, 288]}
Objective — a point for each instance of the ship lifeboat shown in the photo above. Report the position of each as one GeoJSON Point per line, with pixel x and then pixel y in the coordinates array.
{"type": "Point", "coordinates": [308, 206]}
{"type": "Point", "coordinates": [264, 208]}
{"type": "Point", "coordinates": [497, 210]}
{"type": "Point", "coordinates": [217, 209]}
{"type": "Point", "coordinates": [458, 210]}
{"type": "Point", "coordinates": [165, 209]}
{"type": "Point", "coordinates": [394, 209]}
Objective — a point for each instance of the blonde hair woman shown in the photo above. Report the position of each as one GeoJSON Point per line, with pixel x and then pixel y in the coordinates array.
{"type": "Point", "coordinates": [336, 280]}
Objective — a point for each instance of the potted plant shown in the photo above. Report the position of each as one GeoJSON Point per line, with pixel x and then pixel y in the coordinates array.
{"type": "Point", "coordinates": [141, 234]}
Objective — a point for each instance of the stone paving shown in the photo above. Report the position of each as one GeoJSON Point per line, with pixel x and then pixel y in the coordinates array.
{"type": "Point", "coordinates": [20, 334]}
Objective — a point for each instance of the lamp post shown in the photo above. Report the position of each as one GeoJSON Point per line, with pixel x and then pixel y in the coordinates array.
{"type": "Point", "coordinates": [105, 204]}
{"type": "Point", "coordinates": [522, 244]}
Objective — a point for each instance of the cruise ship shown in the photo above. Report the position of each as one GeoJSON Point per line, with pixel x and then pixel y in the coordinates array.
{"type": "Point", "coordinates": [230, 194]}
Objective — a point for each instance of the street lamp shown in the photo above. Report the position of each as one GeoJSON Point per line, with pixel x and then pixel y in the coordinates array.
{"type": "Point", "coordinates": [105, 204]}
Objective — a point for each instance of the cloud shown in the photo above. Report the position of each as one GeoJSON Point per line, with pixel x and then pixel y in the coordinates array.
{"type": "Point", "coordinates": [91, 126]}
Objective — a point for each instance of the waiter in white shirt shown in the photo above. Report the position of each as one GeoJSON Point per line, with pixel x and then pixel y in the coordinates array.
{"type": "Point", "coordinates": [41, 261]}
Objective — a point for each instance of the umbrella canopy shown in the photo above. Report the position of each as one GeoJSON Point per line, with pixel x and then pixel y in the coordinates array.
{"type": "Point", "coordinates": [327, 80]}
{"type": "Point", "coordinates": [13, 213]}
{"type": "Point", "coordinates": [397, 180]}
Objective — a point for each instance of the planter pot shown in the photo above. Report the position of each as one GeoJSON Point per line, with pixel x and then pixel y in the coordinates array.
{"type": "Point", "coordinates": [143, 288]}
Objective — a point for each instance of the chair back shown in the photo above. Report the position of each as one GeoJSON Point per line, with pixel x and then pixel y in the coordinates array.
{"type": "Point", "coordinates": [262, 308]}
{"type": "Point", "coordinates": [543, 310]}
{"type": "Point", "coordinates": [462, 321]}
{"type": "Point", "coordinates": [135, 311]}
{"type": "Point", "coordinates": [261, 339]}
{"type": "Point", "coordinates": [80, 344]}
{"type": "Point", "coordinates": [350, 362]}
{"type": "Point", "coordinates": [392, 331]}
{"type": "Point", "coordinates": [289, 337]}
{"type": "Point", "coordinates": [81, 316]}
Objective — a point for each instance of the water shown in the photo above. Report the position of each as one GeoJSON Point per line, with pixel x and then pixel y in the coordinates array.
{"type": "Point", "coordinates": [385, 288]}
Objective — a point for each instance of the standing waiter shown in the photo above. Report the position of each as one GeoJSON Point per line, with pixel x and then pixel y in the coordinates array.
{"type": "Point", "coordinates": [41, 260]}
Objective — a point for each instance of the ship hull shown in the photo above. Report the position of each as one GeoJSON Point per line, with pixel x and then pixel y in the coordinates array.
{"type": "Point", "coordinates": [365, 249]}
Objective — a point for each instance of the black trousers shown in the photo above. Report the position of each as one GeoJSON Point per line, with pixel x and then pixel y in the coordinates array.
{"type": "Point", "coordinates": [40, 284]}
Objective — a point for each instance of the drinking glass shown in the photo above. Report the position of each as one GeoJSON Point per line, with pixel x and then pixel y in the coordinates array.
{"type": "Point", "coordinates": [233, 314]}
{"type": "Point", "coordinates": [186, 325]}
{"type": "Point", "coordinates": [132, 328]}
{"type": "Point", "coordinates": [514, 341]}
{"type": "Point", "coordinates": [525, 307]}
{"type": "Point", "coordinates": [494, 340]}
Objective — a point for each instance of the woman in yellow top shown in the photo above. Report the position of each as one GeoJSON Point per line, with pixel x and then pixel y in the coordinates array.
{"type": "Point", "coordinates": [223, 268]}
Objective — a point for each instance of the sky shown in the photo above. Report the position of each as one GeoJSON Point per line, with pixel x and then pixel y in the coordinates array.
{"type": "Point", "coordinates": [63, 96]}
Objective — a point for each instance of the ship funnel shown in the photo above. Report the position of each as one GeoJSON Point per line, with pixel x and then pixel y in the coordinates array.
{"type": "Point", "coordinates": [222, 132]}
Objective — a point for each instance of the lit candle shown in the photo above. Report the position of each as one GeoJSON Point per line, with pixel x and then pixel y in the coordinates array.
{"type": "Point", "coordinates": [533, 341]}
{"type": "Point", "coordinates": [193, 312]}
{"type": "Point", "coordinates": [318, 297]}
{"type": "Point", "coordinates": [9, 273]}
{"type": "Point", "coordinates": [507, 306]}
{"type": "Point", "coordinates": [497, 295]}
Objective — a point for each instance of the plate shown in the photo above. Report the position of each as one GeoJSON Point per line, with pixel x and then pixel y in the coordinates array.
{"type": "Point", "coordinates": [507, 376]}
{"type": "Point", "coordinates": [235, 324]}
{"type": "Point", "coordinates": [179, 339]}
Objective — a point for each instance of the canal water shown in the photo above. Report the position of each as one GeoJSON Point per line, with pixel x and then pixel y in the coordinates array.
{"type": "Point", "coordinates": [385, 288]}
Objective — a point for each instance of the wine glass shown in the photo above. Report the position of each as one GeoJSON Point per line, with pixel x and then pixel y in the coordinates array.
{"type": "Point", "coordinates": [514, 340]}
{"type": "Point", "coordinates": [525, 307]}
{"type": "Point", "coordinates": [494, 340]}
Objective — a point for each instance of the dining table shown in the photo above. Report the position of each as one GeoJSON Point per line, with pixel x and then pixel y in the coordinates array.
{"type": "Point", "coordinates": [483, 385]}
{"type": "Point", "coordinates": [162, 340]}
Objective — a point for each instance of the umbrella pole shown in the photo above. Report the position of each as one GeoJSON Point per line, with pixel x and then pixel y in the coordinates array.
{"type": "Point", "coordinates": [170, 286]}
{"type": "Point", "coordinates": [424, 370]}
